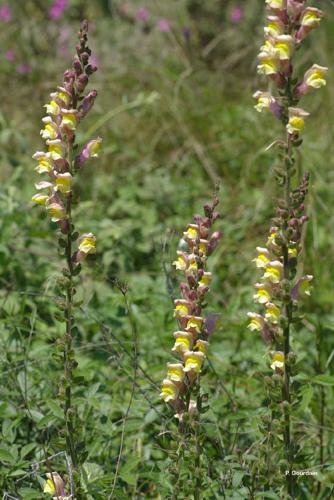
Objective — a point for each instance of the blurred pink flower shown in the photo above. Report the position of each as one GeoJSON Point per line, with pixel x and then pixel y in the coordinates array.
{"type": "Point", "coordinates": [23, 68]}
{"type": "Point", "coordinates": [164, 25]}
{"type": "Point", "coordinates": [10, 55]}
{"type": "Point", "coordinates": [63, 50]}
{"type": "Point", "coordinates": [5, 13]}
{"type": "Point", "coordinates": [94, 60]}
{"type": "Point", "coordinates": [57, 9]}
{"type": "Point", "coordinates": [143, 14]}
{"type": "Point", "coordinates": [236, 15]}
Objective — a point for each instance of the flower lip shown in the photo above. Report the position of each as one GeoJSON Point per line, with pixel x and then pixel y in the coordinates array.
{"type": "Point", "coordinates": [183, 341]}
{"type": "Point", "coordinates": [87, 244]}
{"type": "Point", "coordinates": [193, 361]}
{"type": "Point", "coordinates": [169, 390]}
{"type": "Point", "coordinates": [175, 372]}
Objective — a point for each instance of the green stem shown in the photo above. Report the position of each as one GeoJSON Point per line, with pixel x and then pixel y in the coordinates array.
{"type": "Point", "coordinates": [322, 404]}
{"type": "Point", "coordinates": [286, 331]}
{"type": "Point", "coordinates": [198, 482]}
{"type": "Point", "coordinates": [68, 342]}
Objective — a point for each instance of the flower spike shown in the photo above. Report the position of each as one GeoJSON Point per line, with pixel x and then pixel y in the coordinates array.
{"type": "Point", "coordinates": [191, 341]}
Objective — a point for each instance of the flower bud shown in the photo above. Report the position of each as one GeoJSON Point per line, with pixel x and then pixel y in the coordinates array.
{"type": "Point", "coordinates": [296, 120]}
{"type": "Point", "coordinates": [314, 78]}
{"type": "Point", "coordinates": [81, 83]}
{"type": "Point", "coordinates": [87, 103]}
{"type": "Point", "coordinates": [90, 150]}
{"type": "Point", "coordinates": [54, 485]}
{"type": "Point", "coordinates": [310, 19]}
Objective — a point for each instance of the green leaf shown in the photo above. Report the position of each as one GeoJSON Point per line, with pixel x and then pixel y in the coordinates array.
{"type": "Point", "coordinates": [307, 395]}
{"type": "Point", "coordinates": [55, 408]}
{"type": "Point", "coordinates": [237, 478]}
{"type": "Point", "coordinates": [76, 270]}
{"type": "Point", "coordinates": [35, 415]}
{"type": "Point", "coordinates": [267, 494]}
{"type": "Point", "coordinates": [323, 379]}
{"type": "Point", "coordinates": [62, 243]}
{"type": "Point", "coordinates": [25, 450]}
{"type": "Point", "coordinates": [17, 473]}
{"type": "Point", "coordinates": [6, 456]}
{"type": "Point", "coordinates": [30, 494]}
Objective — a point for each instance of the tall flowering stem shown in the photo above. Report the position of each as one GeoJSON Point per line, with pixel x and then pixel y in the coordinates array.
{"type": "Point", "coordinates": [69, 104]}
{"type": "Point", "coordinates": [289, 23]}
{"type": "Point", "coordinates": [181, 386]}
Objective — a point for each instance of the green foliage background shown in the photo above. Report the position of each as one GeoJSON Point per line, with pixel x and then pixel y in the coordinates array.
{"type": "Point", "coordinates": [174, 116]}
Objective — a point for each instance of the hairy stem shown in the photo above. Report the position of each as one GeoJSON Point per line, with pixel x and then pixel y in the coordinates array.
{"type": "Point", "coordinates": [286, 331]}
{"type": "Point", "coordinates": [322, 403]}
{"type": "Point", "coordinates": [68, 413]}
{"type": "Point", "coordinates": [198, 482]}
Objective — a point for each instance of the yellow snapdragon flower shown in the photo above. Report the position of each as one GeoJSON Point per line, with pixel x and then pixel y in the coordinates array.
{"type": "Point", "coordinates": [45, 163]}
{"type": "Point", "coordinates": [272, 312]}
{"type": "Point", "coordinates": [194, 323]}
{"type": "Point", "coordinates": [40, 199]}
{"type": "Point", "coordinates": [275, 4]}
{"type": "Point", "coordinates": [264, 100]}
{"type": "Point", "coordinates": [296, 120]}
{"type": "Point", "coordinates": [56, 149]}
{"type": "Point", "coordinates": [284, 45]}
{"type": "Point", "coordinates": [315, 76]}
{"type": "Point", "coordinates": [64, 182]}
{"type": "Point", "coordinates": [183, 342]}
{"type": "Point", "coordinates": [175, 372]}
{"type": "Point", "coordinates": [87, 244]}
{"type": "Point", "coordinates": [50, 130]}
{"type": "Point", "coordinates": [192, 232]}
{"type": "Point", "coordinates": [273, 272]}
{"type": "Point", "coordinates": [268, 65]}
{"type": "Point", "coordinates": [56, 212]}
{"type": "Point", "coordinates": [52, 108]}
{"type": "Point", "coordinates": [311, 17]}
{"type": "Point", "coordinates": [205, 279]}
{"type": "Point", "coordinates": [256, 323]}
{"type": "Point", "coordinates": [193, 361]}
{"type": "Point", "coordinates": [262, 295]}
{"type": "Point", "coordinates": [202, 346]}
{"type": "Point", "coordinates": [278, 360]}
{"type": "Point", "coordinates": [69, 118]}
{"type": "Point", "coordinates": [182, 308]}
{"type": "Point", "coordinates": [169, 390]}
{"type": "Point", "coordinates": [275, 26]}
{"type": "Point", "coordinates": [181, 262]}
{"type": "Point", "coordinates": [263, 257]}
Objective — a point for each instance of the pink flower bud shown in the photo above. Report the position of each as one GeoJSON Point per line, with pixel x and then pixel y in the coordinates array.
{"type": "Point", "coordinates": [82, 82]}
{"type": "Point", "coordinates": [91, 150]}
{"type": "Point", "coordinates": [214, 241]}
{"type": "Point", "coordinates": [87, 103]}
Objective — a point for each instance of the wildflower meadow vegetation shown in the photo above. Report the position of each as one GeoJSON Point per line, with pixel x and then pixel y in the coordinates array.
{"type": "Point", "coordinates": [166, 249]}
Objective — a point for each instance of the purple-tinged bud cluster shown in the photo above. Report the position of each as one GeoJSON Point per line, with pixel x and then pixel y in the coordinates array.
{"type": "Point", "coordinates": [191, 338]}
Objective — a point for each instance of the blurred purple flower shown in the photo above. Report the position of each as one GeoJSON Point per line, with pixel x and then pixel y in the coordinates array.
{"type": "Point", "coordinates": [57, 9]}
{"type": "Point", "coordinates": [10, 55]}
{"type": "Point", "coordinates": [5, 13]}
{"type": "Point", "coordinates": [63, 50]}
{"type": "Point", "coordinates": [164, 25]}
{"type": "Point", "coordinates": [236, 15]}
{"type": "Point", "coordinates": [186, 33]}
{"type": "Point", "coordinates": [143, 14]}
{"type": "Point", "coordinates": [23, 68]}
{"type": "Point", "coordinates": [94, 60]}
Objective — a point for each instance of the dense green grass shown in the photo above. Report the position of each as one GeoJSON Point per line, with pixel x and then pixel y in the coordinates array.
{"type": "Point", "coordinates": [172, 122]}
